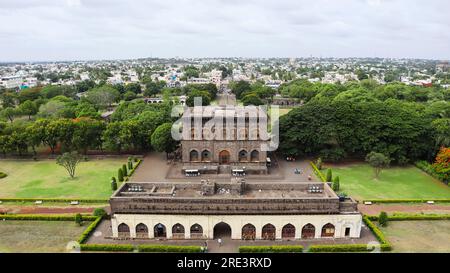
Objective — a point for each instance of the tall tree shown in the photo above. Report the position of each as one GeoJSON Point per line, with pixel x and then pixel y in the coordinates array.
{"type": "Point", "coordinates": [69, 161]}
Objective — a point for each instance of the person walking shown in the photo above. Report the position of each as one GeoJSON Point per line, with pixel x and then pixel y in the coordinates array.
{"type": "Point", "coordinates": [219, 241]}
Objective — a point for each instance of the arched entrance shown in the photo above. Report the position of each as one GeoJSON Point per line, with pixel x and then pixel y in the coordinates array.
{"type": "Point", "coordinates": [124, 230]}
{"type": "Point", "coordinates": [328, 230]}
{"type": "Point", "coordinates": [248, 232]}
{"type": "Point", "coordinates": [268, 232]}
{"type": "Point", "coordinates": [178, 231]}
{"type": "Point", "coordinates": [196, 231]}
{"type": "Point", "coordinates": [224, 157]}
{"type": "Point", "coordinates": [141, 231]}
{"type": "Point", "coordinates": [288, 232]}
{"type": "Point", "coordinates": [222, 230]}
{"type": "Point", "coordinates": [308, 231]}
{"type": "Point", "coordinates": [160, 231]}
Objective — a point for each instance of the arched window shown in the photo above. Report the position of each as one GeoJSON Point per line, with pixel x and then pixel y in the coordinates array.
{"type": "Point", "coordinates": [254, 156]}
{"type": "Point", "coordinates": [248, 232]}
{"type": "Point", "coordinates": [196, 231]}
{"type": "Point", "coordinates": [328, 230]}
{"type": "Point", "coordinates": [193, 155]}
{"type": "Point", "coordinates": [123, 230]}
{"type": "Point", "coordinates": [206, 156]}
{"type": "Point", "coordinates": [141, 231]}
{"type": "Point", "coordinates": [178, 231]}
{"type": "Point", "coordinates": [160, 231]}
{"type": "Point", "coordinates": [224, 157]}
{"type": "Point", "coordinates": [288, 232]}
{"type": "Point", "coordinates": [268, 232]}
{"type": "Point", "coordinates": [308, 231]}
{"type": "Point", "coordinates": [243, 156]}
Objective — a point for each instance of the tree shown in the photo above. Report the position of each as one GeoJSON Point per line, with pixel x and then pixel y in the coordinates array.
{"type": "Point", "coordinates": [240, 87]}
{"type": "Point", "coordinates": [113, 184]}
{"type": "Point", "coordinates": [442, 164]}
{"type": "Point", "coordinates": [53, 108]}
{"type": "Point", "coordinates": [69, 161]}
{"type": "Point", "coordinates": [383, 219]}
{"type": "Point", "coordinates": [129, 96]}
{"type": "Point", "coordinates": [329, 175]}
{"type": "Point", "coordinates": [79, 219]}
{"type": "Point", "coordinates": [103, 96]}
{"type": "Point", "coordinates": [9, 113]}
{"type": "Point", "coordinates": [133, 87]}
{"type": "Point", "coordinates": [120, 175]}
{"type": "Point", "coordinates": [99, 212]}
{"type": "Point", "coordinates": [442, 131]}
{"type": "Point", "coordinates": [124, 170]}
{"type": "Point", "coordinates": [204, 95]}
{"type": "Point", "coordinates": [28, 108]}
{"type": "Point", "coordinates": [87, 134]}
{"type": "Point", "coordinates": [162, 140]}
{"type": "Point", "coordinates": [336, 183]}
{"type": "Point", "coordinates": [378, 161]}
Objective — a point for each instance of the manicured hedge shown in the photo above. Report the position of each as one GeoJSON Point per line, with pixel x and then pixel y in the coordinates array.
{"type": "Point", "coordinates": [87, 232]}
{"type": "Point", "coordinates": [268, 249]}
{"type": "Point", "coordinates": [43, 217]}
{"type": "Point", "coordinates": [413, 217]}
{"type": "Point", "coordinates": [54, 200]}
{"type": "Point", "coordinates": [3, 175]}
{"type": "Point", "coordinates": [340, 248]}
{"type": "Point", "coordinates": [134, 167]}
{"type": "Point", "coordinates": [427, 167]}
{"type": "Point", "coordinates": [107, 248]}
{"type": "Point", "coordinates": [407, 200]}
{"type": "Point", "coordinates": [317, 171]}
{"type": "Point", "coordinates": [167, 248]}
{"type": "Point", "coordinates": [385, 245]}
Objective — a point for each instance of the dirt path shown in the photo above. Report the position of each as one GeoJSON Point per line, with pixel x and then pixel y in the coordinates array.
{"type": "Point", "coordinates": [406, 208]}
{"type": "Point", "coordinates": [45, 210]}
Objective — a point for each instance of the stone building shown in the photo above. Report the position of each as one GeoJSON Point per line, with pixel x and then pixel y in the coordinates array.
{"type": "Point", "coordinates": [221, 139]}
{"type": "Point", "coordinates": [237, 209]}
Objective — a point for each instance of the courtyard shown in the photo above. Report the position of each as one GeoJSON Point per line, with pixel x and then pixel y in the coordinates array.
{"type": "Point", "coordinates": [38, 236]}
{"type": "Point", "coordinates": [357, 180]}
{"type": "Point", "coordinates": [46, 179]}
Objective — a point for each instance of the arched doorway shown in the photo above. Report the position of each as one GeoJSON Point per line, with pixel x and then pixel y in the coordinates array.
{"type": "Point", "coordinates": [288, 232]}
{"type": "Point", "coordinates": [222, 230]}
{"type": "Point", "coordinates": [160, 231]}
{"type": "Point", "coordinates": [308, 231]}
{"type": "Point", "coordinates": [254, 156]}
{"type": "Point", "coordinates": [196, 231]}
{"type": "Point", "coordinates": [243, 156]}
{"type": "Point", "coordinates": [193, 155]}
{"type": "Point", "coordinates": [123, 230]}
{"type": "Point", "coordinates": [178, 231]}
{"type": "Point", "coordinates": [141, 231]}
{"type": "Point", "coordinates": [248, 232]}
{"type": "Point", "coordinates": [206, 156]}
{"type": "Point", "coordinates": [224, 157]}
{"type": "Point", "coordinates": [268, 232]}
{"type": "Point", "coordinates": [327, 230]}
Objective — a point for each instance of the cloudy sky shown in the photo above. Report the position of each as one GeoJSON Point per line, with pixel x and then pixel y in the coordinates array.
{"type": "Point", "coordinates": [32, 30]}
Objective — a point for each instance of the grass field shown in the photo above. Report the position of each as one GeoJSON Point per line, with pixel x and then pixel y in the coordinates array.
{"type": "Point", "coordinates": [357, 180]}
{"type": "Point", "coordinates": [38, 236]}
{"type": "Point", "coordinates": [418, 236]}
{"type": "Point", "coordinates": [46, 179]}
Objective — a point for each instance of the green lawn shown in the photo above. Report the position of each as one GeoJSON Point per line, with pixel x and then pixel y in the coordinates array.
{"type": "Point", "coordinates": [46, 179]}
{"type": "Point", "coordinates": [357, 180]}
{"type": "Point", "coordinates": [418, 236]}
{"type": "Point", "coordinates": [38, 236]}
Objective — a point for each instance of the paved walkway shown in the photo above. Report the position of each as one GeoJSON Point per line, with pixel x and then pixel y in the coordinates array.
{"type": "Point", "coordinates": [375, 209]}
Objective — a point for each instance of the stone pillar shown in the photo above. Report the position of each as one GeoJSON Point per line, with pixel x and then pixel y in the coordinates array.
{"type": "Point", "coordinates": [169, 231]}
{"type": "Point", "coordinates": [114, 227]}
{"type": "Point", "coordinates": [258, 234]}
{"type": "Point", "coordinates": [318, 230]}
{"type": "Point", "coordinates": [278, 230]}
{"type": "Point", "coordinates": [132, 227]}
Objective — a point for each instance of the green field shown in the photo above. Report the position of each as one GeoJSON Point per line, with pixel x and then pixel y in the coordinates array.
{"type": "Point", "coordinates": [357, 180]}
{"type": "Point", "coordinates": [38, 236]}
{"type": "Point", "coordinates": [418, 236]}
{"type": "Point", "coordinates": [46, 179]}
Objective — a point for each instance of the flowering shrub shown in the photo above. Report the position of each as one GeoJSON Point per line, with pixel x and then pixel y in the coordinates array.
{"type": "Point", "coordinates": [442, 163]}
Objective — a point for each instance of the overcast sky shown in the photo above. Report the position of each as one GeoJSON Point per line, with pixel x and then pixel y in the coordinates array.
{"type": "Point", "coordinates": [32, 30]}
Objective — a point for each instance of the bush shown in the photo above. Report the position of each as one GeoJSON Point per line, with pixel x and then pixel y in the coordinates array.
{"type": "Point", "coordinates": [87, 232]}
{"type": "Point", "coordinates": [319, 163]}
{"type": "Point", "coordinates": [333, 155]}
{"type": "Point", "coordinates": [124, 170]}
{"type": "Point", "coordinates": [114, 248]}
{"type": "Point", "coordinates": [329, 175]}
{"type": "Point", "coordinates": [385, 245]}
{"type": "Point", "coordinates": [99, 212]}
{"type": "Point", "coordinates": [341, 248]}
{"type": "Point", "coordinates": [114, 185]}
{"type": "Point", "coordinates": [336, 183]}
{"type": "Point", "coordinates": [79, 219]}
{"type": "Point", "coordinates": [317, 172]}
{"type": "Point", "coordinates": [271, 249]}
{"type": "Point", "coordinates": [167, 248]}
{"type": "Point", "coordinates": [387, 201]}
{"type": "Point", "coordinates": [428, 168]}
{"type": "Point", "coordinates": [120, 175]}
{"type": "Point", "coordinates": [130, 165]}
{"type": "Point", "coordinates": [383, 219]}
{"type": "Point", "coordinates": [3, 175]}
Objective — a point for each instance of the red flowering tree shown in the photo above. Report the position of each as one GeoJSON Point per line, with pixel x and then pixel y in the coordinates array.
{"type": "Point", "coordinates": [442, 163]}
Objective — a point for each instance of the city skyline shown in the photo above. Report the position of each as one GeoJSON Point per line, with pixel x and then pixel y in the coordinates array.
{"type": "Point", "coordinates": [70, 30]}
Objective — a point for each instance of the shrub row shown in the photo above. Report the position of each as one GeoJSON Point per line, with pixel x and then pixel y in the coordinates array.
{"type": "Point", "coordinates": [87, 232]}
{"type": "Point", "coordinates": [43, 217]}
{"type": "Point", "coordinates": [407, 200]}
{"type": "Point", "coordinates": [132, 171]}
{"type": "Point", "coordinates": [317, 171]}
{"type": "Point", "coordinates": [3, 175]}
{"type": "Point", "coordinates": [107, 248]}
{"type": "Point", "coordinates": [164, 248]}
{"type": "Point", "coordinates": [265, 249]}
{"type": "Point", "coordinates": [413, 217]}
{"type": "Point", "coordinates": [385, 245]}
{"type": "Point", "coordinates": [54, 200]}
{"type": "Point", "coordinates": [428, 168]}
{"type": "Point", "coordinates": [341, 248]}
